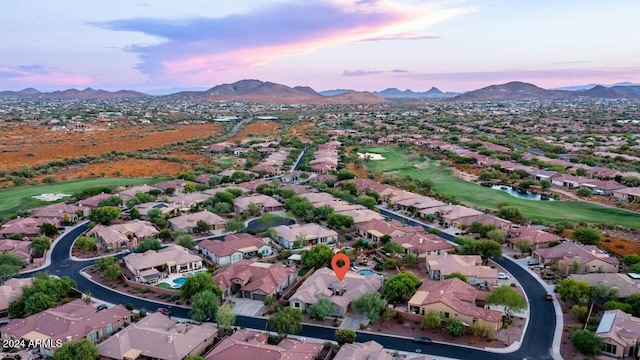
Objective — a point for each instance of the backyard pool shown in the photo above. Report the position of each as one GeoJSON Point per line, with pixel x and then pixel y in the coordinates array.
{"type": "Point", "coordinates": [179, 281]}
{"type": "Point", "coordinates": [366, 272]}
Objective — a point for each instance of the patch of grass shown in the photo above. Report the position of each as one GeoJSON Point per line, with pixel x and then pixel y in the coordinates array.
{"type": "Point", "coordinates": [475, 195]}
{"type": "Point", "coordinates": [395, 159]}
{"type": "Point", "coordinates": [164, 286]}
{"type": "Point", "coordinates": [20, 198]}
{"type": "Point", "coordinates": [303, 271]}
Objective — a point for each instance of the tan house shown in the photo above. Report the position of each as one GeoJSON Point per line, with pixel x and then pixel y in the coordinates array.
{"type": "Point", "coordinates": [93, 201]}
{"type": "Point", "coordinates": [439, 266]}
{"type": "Point", "coordinates": [455, 299]}
{"type": "Point", "coordinates": [360, 216]}
{"type": "Point", "coordinates": [324, 284]}
{"type": "Point", "coordinates": [254, 280]}
{"type": "Point", "coordinates": [311, 234]}
{"type": "Point", "coordinates": [24, 227]}
{"type": "Point", "coordinates": [423, 244]}
{"type": "Point", "coordinates": [245, 344]}
{"type": "Point", "coordinates": [369, 350]}
{"type": "Point", "coordinates": [234, 248]}
{"type": "Point", "coordinates": [149, 266]}
{"type": "Point", "coordinates": [123, 236]}
{"type": "Point", "coordinates": [72, 321]}
{"type": "Point", "coordinates": [185, 201]}
{"type": "Point", "coordinates": [157, 336]}
{"type": "Point", "coordinates": [627, 194]}
{"type": "Point", "coordinates": [11, 290]}
{"type": "Point", "coordinates": [485, 219]}
{"type": "Point", "coordinates": [16, 247]}
{"type": "Point", "coordinates": [537, 239]}
{"type": "Point", "coordinates": [165, 209]}
{"type": "Point", "coordinates": [60, 212]}
{"type": "Point", "coordinates": [620, 333]}
{"type": "Point", "coordinates": [266, 203]}
{"type": "Point", "coordinates": [131, 192]}
{"type": "Point", "coordinates": [189, 222]}
{"type": "Point", "coordinates": [582, 258]}
{"type": "Point", "coordinates": [623, 282]}
{"type": "Point", "coordinates": [375, 229]}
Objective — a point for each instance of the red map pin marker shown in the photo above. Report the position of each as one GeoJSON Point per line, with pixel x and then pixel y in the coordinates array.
{"type": "Point", "coordinates": [340, 271]}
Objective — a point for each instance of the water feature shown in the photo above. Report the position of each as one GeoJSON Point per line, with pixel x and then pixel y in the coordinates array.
{"type": "Point", "coordinates": [366, 272]}
{"type": "Point", "coordinates": [179, 281]}
{"type": "Point", "coordinates": [521, 194]}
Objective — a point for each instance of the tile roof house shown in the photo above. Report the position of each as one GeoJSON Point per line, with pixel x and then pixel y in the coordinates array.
{"type": "Point", "coordinates": [536, 238]}
{"type": "Point", "coordinates": [234, 248]}
{"type": "Point", "coordinates": [266, 203]}
{"type": "Point", "coordinates": [188, 200]}
{"type": "Point", "coordinates": [17, 247]}
{"type": "Point", "coordinates": [456, 300]}
{"type": "Point", "coordinates": [157, 336]}
{"type": "Point", "coordinates": [177, 185]}
{"type": "Point", "coordinates": [588, 257]}
{"type": "Point", "coordinates": [418, 203]}
{"type": "Point", "coordinates": [450, 214]}
{"type": "Point", "coordinates": [245, 344]}
{"type": "Point", "coordinates": [375, 229]}
{"type": "Point", "coordinates": [439, 266]}
{"type": "Point", "coordinates": [12, 290]}
{"type": "Point", "coordinates": [122, 236]}
{"type": "Point", "coordinates": [190, 221]}
{"type": "Point", "coordinates": [254, 280]}
{"type": "Point", "coordinates": [165, 209]}
{"type": "Point", "coordinates": [93, 201]}
{"type": "Point", "coordinates": [25, 227]}
{"type": "Point", "coordinates": [131, 192]}
{"type": "Point", "coordinates": [423, 244]}
{"type": "Point", "coordinates": [311, 234]}
{"type": "Point", "coordinates": [58, 212]}
{"type": "Point", "coordinates": [627, 194]}
{"type": "Point", "coordinates": [72, 321]}
{"type": "Point", "coordinates": [369, 350]}
{"type": "Point", "coordinates": [172, 259]}
{"type": "Point", "coordinates": [485, 219]}
{"type": "Point", "coordinates": [623, 282]}
{"type": "Point", "coordinates": [620, 333]}
{"type": "Point", "coordinates": [360, 216]}
{"type": "Point", "coordinates": [324, 284]}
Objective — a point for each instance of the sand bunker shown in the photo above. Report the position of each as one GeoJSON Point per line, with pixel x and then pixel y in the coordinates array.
{"type": "Point", "coordinates": [371, 156]}
{"type": "Point", "coordinates": [50, 197]}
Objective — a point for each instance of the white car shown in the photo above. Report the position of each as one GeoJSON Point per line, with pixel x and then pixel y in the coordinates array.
{"type": "Point", "coordinates": [503, 276]}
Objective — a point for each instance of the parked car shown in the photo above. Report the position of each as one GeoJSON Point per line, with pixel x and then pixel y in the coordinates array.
{"type": "Point", "coordinates": [101, 307]}
{"type": "Point", "coordinates": [549, 297]}
{"type": "Point", "coordinates": [164, 311]}
{"type": "Point", "coordinates": [423, 339]}
{"type": "Point", "coordinates": [532, 262]}
{"type": "Point", "coordinates": [503, 276]}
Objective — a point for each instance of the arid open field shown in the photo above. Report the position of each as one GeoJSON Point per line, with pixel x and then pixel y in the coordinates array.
{"type": "Point", "coordinates": [257, 128]}
{"type": "Point", "coordinates": [23, 144]}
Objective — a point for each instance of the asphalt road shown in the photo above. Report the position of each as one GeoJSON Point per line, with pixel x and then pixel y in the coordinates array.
{"type": "Point", "coordinates": [537, 342]}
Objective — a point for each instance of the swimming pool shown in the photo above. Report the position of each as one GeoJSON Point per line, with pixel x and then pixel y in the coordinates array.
{"type": "Point", "coordinates": [366, 272]}
{"type": "Point", "coordinates": [179, 281]}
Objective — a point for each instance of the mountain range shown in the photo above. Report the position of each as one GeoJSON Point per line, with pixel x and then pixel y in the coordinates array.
{"type": "Point", "coordinates": [269, 92]}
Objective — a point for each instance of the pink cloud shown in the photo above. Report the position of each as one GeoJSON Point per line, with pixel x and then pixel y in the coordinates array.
{"type": "Point", "coordinates": [52, 79]}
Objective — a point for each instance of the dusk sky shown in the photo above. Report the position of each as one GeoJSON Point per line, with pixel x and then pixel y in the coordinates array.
{"type": "Point", "coordinates": [326, 44]}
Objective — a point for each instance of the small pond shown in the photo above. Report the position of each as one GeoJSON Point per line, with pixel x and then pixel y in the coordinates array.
{"type": "Point", "coordinates": [261, 225]}
{"type": "Point", "coordinates": [522, 194]}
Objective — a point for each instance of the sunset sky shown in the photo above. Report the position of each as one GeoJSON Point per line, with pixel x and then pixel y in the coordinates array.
{"type": "Point", "coordinates": [454, 45]}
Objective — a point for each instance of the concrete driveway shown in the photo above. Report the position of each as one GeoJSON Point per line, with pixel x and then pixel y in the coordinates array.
{"type": "Point", "coordinates": [247, 307]}
{"type": "Point", "coordinates": [353, 321]}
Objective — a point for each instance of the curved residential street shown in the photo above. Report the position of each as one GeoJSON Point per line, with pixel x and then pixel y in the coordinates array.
{"type": "Point", "coordinates": [537, 342]}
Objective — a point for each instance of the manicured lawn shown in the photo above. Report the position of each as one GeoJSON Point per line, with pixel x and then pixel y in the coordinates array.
{"type": "Point", "coordinates": [164, 286]}
{"type": "Point", "coordinates": [17, 198]}
{"type": "Point", "coordinates": [554, 211]}
{"type": "Point", "coordinates": [395, 159]}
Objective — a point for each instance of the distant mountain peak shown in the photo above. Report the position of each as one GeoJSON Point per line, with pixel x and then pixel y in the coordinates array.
{"type": "Point", "coordinates": [29, 91]}
{"type": "Point", "coordinates": [89, 90]}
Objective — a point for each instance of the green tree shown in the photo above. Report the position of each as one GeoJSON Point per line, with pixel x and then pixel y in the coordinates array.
{"type": "Point", "coordinates": [454, 327]}
{"type": "Point", "coordinates": [345, 336]}
{"type": "Point", "coordinates": [254, 209]}
{"type": "Point", "coordinates": [545, 184]}
{"type": "Point", "coordinates": [507, 298]}
{"type": "Point", "coordinates": [634, 301]}
{"type": "Point", "coordinates": [603, 293]}
{"type": "Point", "coordinates": [198, 283]}
{"type": "Point", "coordinates": [83, 349]}
{"type": "Point", "coordinates": [523, 245]}
{"type": "Point", "coordinates": [149, 244]}
{"type": "Point", "coordinates": [481, 330]}
{"type": "Point", "coordinates": [204, 305]}
{"type": "Point", "coordinates": [584, 192]}
{"type": "Point", "coordinates": [631, 259]}
{"type": "Point", "coordinates": [456, 275]}
{"type": "Point", "coordinates": [186, 241]}
{"type": "Point", "coordinates": [111, 201]}
{"type": "Point", "coordinates": [393, 248]}
{"type": "Point", "coordinates": [105, 261]}
{"type": "Point", "coordinates": [618, 305]}
{"type": "Point", "coordinates": [570, 289]}
{"type": "Point", "coordinates": [370, 303]}
{"type": "Point", "coordinates": [317, 256]}
{"type": "Point", "coordinates": [234, 225]}
{"type": "Point", "coordinates": [580, 311]}
{"type": "Point", "coordinates": [432, 320]}
{"type": "Point", "coordinates": [134, 214]}
{"type": "Point", "coordinates": [484, 248]}
{"type": "Point", "coordinates": [85, 243]}
{"type": "Point", "coordinates": [104, 215]}
{"type": "Point", "coordinates": [587, 235]}
{"type": "Point", "coordinates": [38, 302]}
{"type": "Point", "coordinates": [390, 264]}
{"type": "Point", "coordinates": [511, 213]}
{"type": "Point", "coordinates": [112, 272]}
{"type": "Point", "coordinates": [410, 259]}
{"type": "Point", "coordinates": [345, 174]}
{"type": "Point", "coordinates": [40, 244]}
{"type": "Point", "coordinates": [587, 342]}
{"type": "Point", "coordinates": [366, 200]}
{"type": "Point", "coordinates": [202, 226]}
{"type": "Point", "coordinates": [321, 309]}
{"type": "Point", "coordinates": [339, 221]}
{"type": "Point", "coordinates": [400, 286]}
{"type": "Point", "coordinates": [225, 316]}
{"type": "Point", "coordinates": [496, 235]}
{"type": "Point", "coordinates": [385, 238]}
{"type": "Point", "coordinates": [48, 229]}
{"type": "Point", "coordinates": [286, 321]}
{"type": "Point", "coordinates": [10, 265]}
